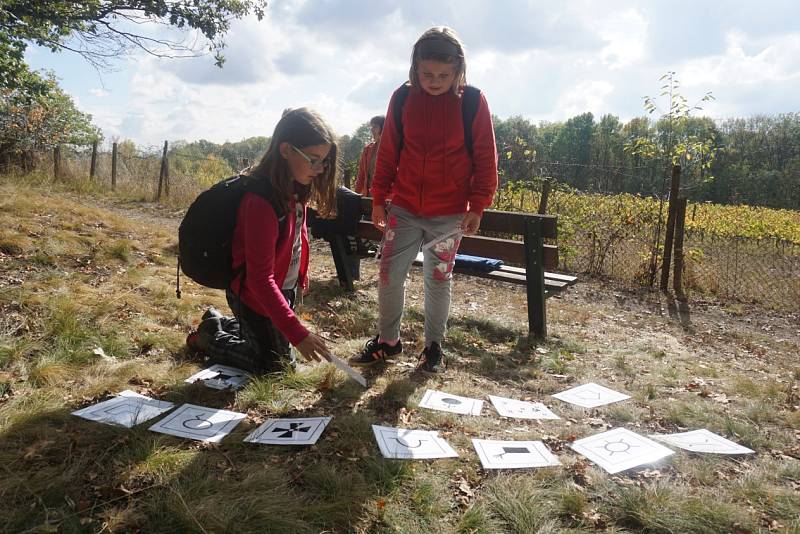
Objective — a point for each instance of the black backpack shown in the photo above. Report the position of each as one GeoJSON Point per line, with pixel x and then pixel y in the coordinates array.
{"type": "Point", "coordinates": [469, 108]}
{"type": "Point", "coordinates": [205, 235]}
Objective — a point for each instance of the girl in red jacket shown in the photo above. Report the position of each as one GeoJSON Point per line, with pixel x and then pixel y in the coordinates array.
{"type": "Point", "coordinates": [438, 188]}
{"type": "Point", "coordinates": [270, 250]}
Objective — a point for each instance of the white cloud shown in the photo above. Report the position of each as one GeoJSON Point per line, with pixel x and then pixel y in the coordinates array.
{"type": "Point", "coordinates": [537, 59]}
{"type": "Point", "coordinates": [625, 34]}
{"type": "Point", "coordinates": [98, 92]}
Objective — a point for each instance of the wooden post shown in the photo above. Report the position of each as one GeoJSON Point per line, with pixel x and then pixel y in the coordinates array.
{"type": "Point", "coordinates": [114, 165]}
{"type": "Point", "coordinates": [545, 197]}
{"type": "Point", "coordinates": [93, 166]}
{"type": "Point", "coordinates": [161, 175]}
{"type": "Point", "coordinates": [346, 178]}
{"type": "Point", "coordinates": [57, 162]}
{"type": "Point", "coordinates": [680, 220]}
{"type": "Point", "coordinates": [534, 273]}
{"type": "Point", "coordinates": [669, 231]}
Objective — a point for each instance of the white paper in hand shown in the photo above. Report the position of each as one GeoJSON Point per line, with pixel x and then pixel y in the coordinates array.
{"type": "Point", "coordinates": [349, 371]}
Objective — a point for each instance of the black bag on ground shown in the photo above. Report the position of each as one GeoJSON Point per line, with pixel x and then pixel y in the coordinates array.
{"type": "Point", "coordinates": [205, 235]}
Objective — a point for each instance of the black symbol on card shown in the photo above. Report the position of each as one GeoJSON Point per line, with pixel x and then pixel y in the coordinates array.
{"type": "Point", "coordinates": [451, 401]}
{"type": "Point", "coordinates": [403, 442]}
{"type": "Point", "coordinates": [512, 450]}
{"type": "Point", "coordinates": [293, 428]}
{"type": "Point", "coordinates": [198, 423]}
{"type": "Point", "coordinates": [620, 446]}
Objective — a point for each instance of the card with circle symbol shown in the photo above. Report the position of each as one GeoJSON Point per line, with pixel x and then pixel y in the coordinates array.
{"type": "Point", "coordinates": [620, 449]}
{"type": "Point", "coordinates": [591, 395]}
{"type": "Point", "coordinates": [408, 444]}
{"type": "Point", "coordinates": [289, 431]}
{"type": "Point", "coordinates": [198, 422]}
{"type": "Point", "coordinates": [496, 454]}
{"type": "Point", "coordinates": [220, 377]}
{"type": "Point", "coordinates": [521, 409]}
{"type": "Point", "coordinates": [445, 402]}
{"type": "Point", "coordinates": [127, 410]}
{"type": "Point", "coordinates": [702, 441]}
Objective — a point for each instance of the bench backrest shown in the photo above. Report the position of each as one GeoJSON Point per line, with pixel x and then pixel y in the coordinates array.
{"type": "Point", "coordinates": [509, 250]}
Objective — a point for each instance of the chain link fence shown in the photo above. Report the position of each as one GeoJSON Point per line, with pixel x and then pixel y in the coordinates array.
{"type": "Point", "coordinates": [616, 237]}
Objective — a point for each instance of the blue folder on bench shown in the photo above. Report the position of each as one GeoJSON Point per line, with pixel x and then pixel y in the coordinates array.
{"type": "Point", "coordinates": [478, 264]}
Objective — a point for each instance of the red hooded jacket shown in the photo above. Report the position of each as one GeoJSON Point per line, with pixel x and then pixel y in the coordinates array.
{"type": "Point", "coordinates": [433, 173]}
{"type": "Point", "coordinates": [266, 255]}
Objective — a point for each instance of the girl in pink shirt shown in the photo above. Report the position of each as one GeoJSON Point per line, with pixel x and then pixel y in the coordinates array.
{"type": "Point", "coordinates": [270, 251]}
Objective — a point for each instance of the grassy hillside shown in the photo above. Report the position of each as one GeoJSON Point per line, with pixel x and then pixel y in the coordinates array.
{"type": "Point", "coordinates": [87, 309]}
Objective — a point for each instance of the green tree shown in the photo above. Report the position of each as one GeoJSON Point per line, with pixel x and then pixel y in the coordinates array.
{"type": "Point", "coordinates": [100, 30]}
{"type": "Point", "coordinates": [572, 147]}
{"type": "Point", "coordinates": [31, 122]}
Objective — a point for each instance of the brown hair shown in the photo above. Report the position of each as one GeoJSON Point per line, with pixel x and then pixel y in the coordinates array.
{"type": "Point", "coordinates": [300, 127]}
{"type": "Point", "coordinates": [439, 43]}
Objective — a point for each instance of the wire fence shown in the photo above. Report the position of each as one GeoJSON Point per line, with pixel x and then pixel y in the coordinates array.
{"type": "Point", "coordinates": [616, 237]}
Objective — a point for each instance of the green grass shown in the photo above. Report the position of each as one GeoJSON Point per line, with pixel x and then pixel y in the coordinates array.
{"type": "Point", "coordinates": [76, 277]}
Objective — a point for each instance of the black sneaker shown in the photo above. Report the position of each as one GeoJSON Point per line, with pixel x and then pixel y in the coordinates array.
{"type": "Point", "coordinates": [376, 351]}
{"type": "Point", "coordinates": [431, 361]}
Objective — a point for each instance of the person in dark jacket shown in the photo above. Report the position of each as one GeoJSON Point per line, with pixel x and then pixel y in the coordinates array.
{"type": "Point", "coordinates": [272, 257]}
{"type": "Point", "coordinates": [438, 191]}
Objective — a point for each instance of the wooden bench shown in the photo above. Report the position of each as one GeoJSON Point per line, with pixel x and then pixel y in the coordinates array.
{"type": "Point", "coordinates": [527, 262]}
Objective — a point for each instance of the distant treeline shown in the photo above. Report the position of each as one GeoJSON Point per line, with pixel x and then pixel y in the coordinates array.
{"type": "Point", "coordinates": [757, 160]}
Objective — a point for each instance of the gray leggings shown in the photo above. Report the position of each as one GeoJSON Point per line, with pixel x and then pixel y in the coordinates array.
{"type": "Point", "coordinates": [404, 235]}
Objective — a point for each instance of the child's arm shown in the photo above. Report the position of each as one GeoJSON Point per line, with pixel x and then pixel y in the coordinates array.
{"type": "Point", "coordinates": [388, 158]}
{"type": "Point", "coordinates": [484, 160]}
{"type": "Point", "coordinates": [260, 238]}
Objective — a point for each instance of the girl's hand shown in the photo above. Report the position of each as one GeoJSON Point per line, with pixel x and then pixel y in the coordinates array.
{"type": "Point", "coordinates": [313, 348]}
{"type": "Point", "coordinates": [379, 217]}
{"type": "Point", "coordinates": [470, 223]}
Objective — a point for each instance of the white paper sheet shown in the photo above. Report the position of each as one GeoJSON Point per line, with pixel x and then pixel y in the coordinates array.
{"type": "Point", "coordinates": [521, 409]}
{"type": "Point", "coordinates": [199, 422]}
{"type": "Point", "coordinates": [620, 449]}
{"type": "Point", "coordinates": [445, 402]}
{"type": "Point", "coordinates": [513, 454]}
{"type": "Point", "coordinates": [702, 441]}
{"type": "Point", "coordinates": [455, 235]}
{"type": "Point", "coordinates": [127, 410]}
{"type": "Point", "coordinates": [221, 377]}
{"type": "Point", "coordinates": [591, 395]}
{"type": "Point", "coordinates": [402, 443]}
{"type": "Point", "coordinates": [349, 371]}
{"type": "Point", "coordinates": [289, 431]}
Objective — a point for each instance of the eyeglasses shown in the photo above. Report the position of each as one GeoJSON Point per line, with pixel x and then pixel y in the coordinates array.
{"type": "Point", "coordinates": [313, 162]}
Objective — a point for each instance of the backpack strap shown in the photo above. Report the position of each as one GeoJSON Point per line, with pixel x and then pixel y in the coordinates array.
{"type": "Point", "coordinates": [470, 99]}
{"type": "Point", "coordinates": [397, 111]}
{"type": "Point", "coordinates": [469, 108]}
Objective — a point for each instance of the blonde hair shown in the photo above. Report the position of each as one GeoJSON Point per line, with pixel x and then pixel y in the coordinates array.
{"type": "Point", "coordinates": [300, 127]}
{"type": "Point", "coordinates": [439, 43]}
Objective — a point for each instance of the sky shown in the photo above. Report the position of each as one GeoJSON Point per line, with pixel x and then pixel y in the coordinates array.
{"type": "Point", "coordinates": [545, 61]}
